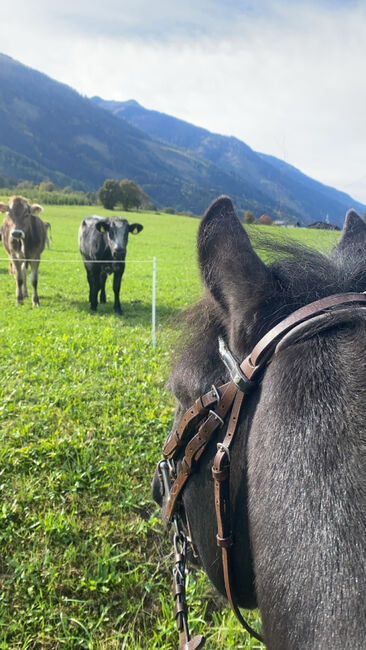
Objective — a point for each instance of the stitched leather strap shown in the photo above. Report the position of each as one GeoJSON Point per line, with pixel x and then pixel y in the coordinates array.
{"type": "Point", "coordinates": [264, 348]}
{"type": "Point", "coordinates": [199, 409]}
{"type": "Point", "coordinates": [224, 538]}
{"type": "Point", "coordinates": [197, 445]}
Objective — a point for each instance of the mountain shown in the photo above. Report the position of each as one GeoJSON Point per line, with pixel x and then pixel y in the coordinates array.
{"type": "Point", "coordinates": [48, 131]}
{"type": "Point", "coordinates": [48, 128]}
{"type": "Point", "coordinates": [290, 191]}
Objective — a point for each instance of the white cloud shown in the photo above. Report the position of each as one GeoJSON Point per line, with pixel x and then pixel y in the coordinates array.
{"type": "Point", "coordinates": [287, 80]}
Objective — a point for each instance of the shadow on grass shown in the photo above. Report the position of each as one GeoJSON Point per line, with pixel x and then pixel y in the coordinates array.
{"type": "Point", "coordinates": [134, 312]}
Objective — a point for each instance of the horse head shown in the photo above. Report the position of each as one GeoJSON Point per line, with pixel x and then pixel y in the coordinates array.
{"type": "Point", "coordinates": [298, 461]}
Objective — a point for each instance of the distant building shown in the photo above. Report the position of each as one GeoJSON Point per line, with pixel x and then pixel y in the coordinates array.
{"type": "Point", "coordinates": [287, 224]}
{"type": "Point", "coordinates": [323, 225]}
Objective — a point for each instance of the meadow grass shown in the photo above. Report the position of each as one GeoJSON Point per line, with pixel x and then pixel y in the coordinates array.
{"type": "Point", "coordinates": [85, 562]}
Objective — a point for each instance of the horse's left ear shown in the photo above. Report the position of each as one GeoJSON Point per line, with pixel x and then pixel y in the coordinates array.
{"type": "Point", "coordinates": [353, 233]}
{"type": "Point", "coordinates": [230, 267]}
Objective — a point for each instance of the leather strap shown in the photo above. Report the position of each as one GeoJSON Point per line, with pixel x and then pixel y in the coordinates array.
{"type": "Point", "coordinates": [317, 324]}
{"type": "Point", "coordinates": [264, 348]}
{"type": "Point", "coordinates": [224, 537]}
{"type": "Point", "coordinates": [197, 445]}
{"type": "Point", "coordinates": [199, 409]}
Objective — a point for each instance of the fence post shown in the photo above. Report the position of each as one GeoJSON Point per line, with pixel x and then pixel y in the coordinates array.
{"type": "Point", "coordinates": [154, 304]}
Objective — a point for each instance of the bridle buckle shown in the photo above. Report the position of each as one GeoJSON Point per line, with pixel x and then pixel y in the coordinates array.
{"type": "Point", "coordinates": [216, 415]}
{"type": "Point", "coordinates": [238, 377]}
{"type": "Point", "coordinates": [225, 449]}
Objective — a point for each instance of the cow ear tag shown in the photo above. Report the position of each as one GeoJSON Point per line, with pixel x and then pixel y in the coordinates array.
{"type": "Point", "coordinates": [135, 231]}
{"type": "Point", "coordinates": [102, 229]}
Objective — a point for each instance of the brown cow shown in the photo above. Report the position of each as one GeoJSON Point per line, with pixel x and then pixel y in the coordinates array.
{"type": "Point", "coordinates": [24, 236]}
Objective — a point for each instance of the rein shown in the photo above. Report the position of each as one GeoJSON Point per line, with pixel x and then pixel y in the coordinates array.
{"type": "Point", "coordinates": [206, 416]}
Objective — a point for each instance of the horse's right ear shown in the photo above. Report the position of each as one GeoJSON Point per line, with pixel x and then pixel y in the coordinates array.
{"type": "Point", "coordinates": [229, 265]}
{"type": "Point", "coordinates": [353, 233]}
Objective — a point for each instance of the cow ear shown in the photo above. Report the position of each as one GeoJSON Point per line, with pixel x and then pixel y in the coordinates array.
{"type": "Point", "coordinates": [3, 207]}
{"type": "Point", "coordinates": [135, 228]}
{"type": "Point", "coordinates": [36, 209]}
{"type": "Point", "coordinates": [353, 233]}
{"type": "Point", "coordinates": [230, 268]}
{"type": "Point", "coordinates": [102, 226]}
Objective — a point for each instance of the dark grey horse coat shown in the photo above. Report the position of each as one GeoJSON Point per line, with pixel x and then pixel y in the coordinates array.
{"type": "Point", "coordinates": [103, 245]}
{"type": "Point", "coordinates": [24, 237]}
{"type": "Point", "coordinates": [298, 472]}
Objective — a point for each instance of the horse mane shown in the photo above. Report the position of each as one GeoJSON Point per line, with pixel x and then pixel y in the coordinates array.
{"type": "Point", "coordinates": [301, 275]}
{"type": "Point", "coordinates": [308, 274]}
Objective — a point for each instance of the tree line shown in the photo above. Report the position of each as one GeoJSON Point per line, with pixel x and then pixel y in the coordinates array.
{"type": "Point", "coordinates": [125, 193]}
{"type": "Point", "coordinates": [47, 192]}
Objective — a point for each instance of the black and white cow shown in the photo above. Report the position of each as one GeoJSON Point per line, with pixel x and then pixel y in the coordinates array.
{"type": "Point", "coordinates": [103, 244]}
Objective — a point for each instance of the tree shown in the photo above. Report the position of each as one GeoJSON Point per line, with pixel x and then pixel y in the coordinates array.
{"type": "Point", "coordinates": [47, 186]}
{"type": "Point", "coordinates": [265, 220]}
{"type": "Point", "coordinates": [248, 217]}
{"type": "Point", "coordinates": [92, 197]}
{"type": "Point", "coordinates": [25, 185]}
{"type": "Point", "coordinates": [109, 194]}
{"type": "Point", "coordinates": [131, 194]}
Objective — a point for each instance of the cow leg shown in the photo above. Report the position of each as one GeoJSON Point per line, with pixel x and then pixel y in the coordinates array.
{"type": "Point", "coordinates": [93, 279]}
{"type": "Point", "coordinates": [34, 283]}
{"type": "Point", "coordinates": [25, 288]}
{"type": "Point", "coordinates": [90, 283]}
{"type": "Point", "coordinates": [117, 277]}
{"type": "Point", "coordinates": [19, 273]}
{"type": "Point", "coordinates": [103, 279]}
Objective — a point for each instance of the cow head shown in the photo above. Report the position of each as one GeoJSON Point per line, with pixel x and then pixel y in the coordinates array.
{"type": "Point", "coordinates": [19, 211]}
{"type": "Point", "coordinates": [116, 232]}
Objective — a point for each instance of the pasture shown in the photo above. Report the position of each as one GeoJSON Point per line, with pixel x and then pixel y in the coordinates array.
{"type": "Point", "coordinates": [85, 562]}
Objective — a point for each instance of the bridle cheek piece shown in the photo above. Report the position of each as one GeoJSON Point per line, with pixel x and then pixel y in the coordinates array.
{"type": "Point", "coordinates": [206, 416]}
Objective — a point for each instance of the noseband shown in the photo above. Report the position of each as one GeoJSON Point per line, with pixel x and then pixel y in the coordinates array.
{"type": "Point", "coordinates": [207, 415]}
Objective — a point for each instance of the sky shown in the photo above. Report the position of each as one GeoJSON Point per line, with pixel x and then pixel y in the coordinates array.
{"type": "Point", "coordinates": [285, 76]}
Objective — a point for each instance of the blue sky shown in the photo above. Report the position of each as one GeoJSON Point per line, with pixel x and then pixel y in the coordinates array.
{"type": "Point", "coordinates": [286, 77]}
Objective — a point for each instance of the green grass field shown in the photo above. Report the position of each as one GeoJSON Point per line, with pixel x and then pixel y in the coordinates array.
{"type": "Point", "coordinates": [84, 560]}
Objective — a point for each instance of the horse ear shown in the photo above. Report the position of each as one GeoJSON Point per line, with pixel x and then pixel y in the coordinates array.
{"type": "Point", "coordinates": [229, 265]}
{"type": "Point", "coordinates": [353, 233]}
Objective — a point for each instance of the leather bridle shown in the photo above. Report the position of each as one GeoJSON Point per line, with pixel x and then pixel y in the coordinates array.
{"type": "Point", "coordinates": [207, 415]}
